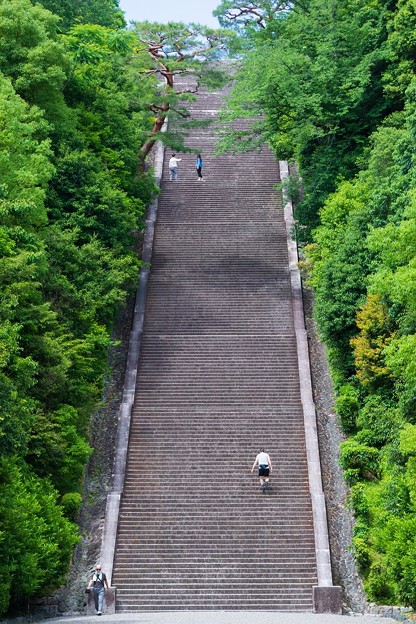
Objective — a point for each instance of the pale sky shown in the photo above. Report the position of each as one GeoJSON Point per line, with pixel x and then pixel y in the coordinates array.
{"type": "Point", "coordinates": [163, 11]}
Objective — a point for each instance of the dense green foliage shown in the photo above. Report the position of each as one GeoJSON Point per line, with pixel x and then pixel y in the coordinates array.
{"type": "Point", "coordinates": [363, 256]}
{"type": "Point", "coordinates": [333, 85]}
{"type": "Point", "coordinates": [81, 105]}
{"type": "Point", "coordinates": [73, 115]}
{"type": "Point", "coordinates": [71, 12]}
{"type": "Point", "coordinates": [313, 82]}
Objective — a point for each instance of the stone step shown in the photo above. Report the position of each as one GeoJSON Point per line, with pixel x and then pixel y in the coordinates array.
{"type": "Point", "coordinates": [149, 542]}
{"type": "Point", "coordinates": [208, 505]}
{"type": "Point", "coordinates": [199, 440]}
{"type": "Point", "coordinates": [173, 567]}
{"type": "Point", "coordinates": [235, 558]}
{"type": "Point", "coordinates": [196, 603]}
{"type": "Point", "coordinates": [155, 420]}
{"type": "Point", "coordinates": [288, 563]}
{"type": "Point", "coordinates": [283, 530]}
{"type": "Point", "coordinates": [240, 420]}
{"type": "Point", "coordinates": [208, 481]}
{"type": "Point", "coordinates": [283, 524]}
{"type": "Point", "coordinates": [230, 595]}
{"type": "Point", "coordinates": [171, 581]}
{"type": "Point", "coordinates": [219, 529]}
{"type": "Point", "coordinates": [167, 565]}
{"type": "Point", "coordinates": [207, 547]}
{"type": "Point", "coordinates": [290, 440]}
{"type": "Point", "coordinates": [214, 599]}
{"type": "Point", "coordinates": [296, 572]}
{"type": "Point", "coordinates": [201, 469]}
{"type": "Point", "coordinates": [225, 581]}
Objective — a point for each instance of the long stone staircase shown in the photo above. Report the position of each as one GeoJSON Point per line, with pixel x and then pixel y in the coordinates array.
{"type": "Point", "coordinates": [217, 381]}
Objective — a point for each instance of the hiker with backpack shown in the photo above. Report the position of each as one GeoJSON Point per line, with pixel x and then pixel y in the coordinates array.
{"type": "Point", "coordinates": [99, 585]}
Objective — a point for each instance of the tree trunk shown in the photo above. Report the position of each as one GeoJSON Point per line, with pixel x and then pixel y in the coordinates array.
{"type": "Point", "coordinates": [147, 146]}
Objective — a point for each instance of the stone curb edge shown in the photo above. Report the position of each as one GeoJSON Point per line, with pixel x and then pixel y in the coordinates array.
{"type": "Point", "coordinates": [108, 544]}
{"type": "Point", "coordinates": [327, 598]}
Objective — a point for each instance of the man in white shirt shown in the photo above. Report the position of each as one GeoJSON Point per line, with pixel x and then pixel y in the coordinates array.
{"type": "Point", "coordinates": [173, 167]}
{"type": "Point", "coordinates": [265, 468]}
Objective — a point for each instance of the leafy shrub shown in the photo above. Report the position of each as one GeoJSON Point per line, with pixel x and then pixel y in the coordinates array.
{"type": "Point", "coordinates": [359, 457]}
{"type": "Point", "coordinates": [362, 554]}
{"type": "Point", "coordinates": [375, 327]}
{"type": "Point", "coordinates": [347, 405]}
{"type": "Point", "coordinates": [58, 450]}
{"type": "Point", "coordinates": [401, 556]}
{"type": "Point", "coordinates": [71, 503]}
{"type": "Point", "coordinates": [358, 500]}
{"type": "Point", "coordinates": [366, 436]}
{"type": "Point", "coordinates": [380, 584]}
{"type": "Point", "coordinates": [37, 542]}
{"type": "Point", "coordinates": [395, 495]}
{"type": "Point", "coordinates": [407, 441]}
{"type": "Point", "coordinates": [70, 196]}
{"type": "Point", "coordinates": [352, 475]}
{"type": "Point", "coordinates": [361, 548]}
{"type": "Point", "coordinates": [380, 416]}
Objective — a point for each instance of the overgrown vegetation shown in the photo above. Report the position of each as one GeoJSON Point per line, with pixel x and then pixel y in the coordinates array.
{"type": "Point", "coordinates": [333, 85]}
{"type": "Point", "coordinates": [79, 97]}
{"type": "Point", "coordinates": [69, 200]}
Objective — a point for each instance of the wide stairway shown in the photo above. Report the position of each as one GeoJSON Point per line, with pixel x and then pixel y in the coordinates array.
{"type": "Point", "coordinates": [217, 381]}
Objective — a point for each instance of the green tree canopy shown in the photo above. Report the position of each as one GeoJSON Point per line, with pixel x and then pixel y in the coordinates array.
{"type": "Point", "coordinates": [180, 54]}
{"type": "Point", "coordinates": [74, 114]}
{"type": "Point", "coordinates": [102, 12]}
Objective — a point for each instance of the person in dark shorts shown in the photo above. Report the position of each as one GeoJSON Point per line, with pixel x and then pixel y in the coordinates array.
{"type": "Point", "coordinates": [264, 463]}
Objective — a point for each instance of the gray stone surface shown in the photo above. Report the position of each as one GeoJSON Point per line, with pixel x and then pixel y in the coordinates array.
{"type": "Point", "coordinates": [327, 600]}
{"type": "Point", "coordinates": [226, 617]}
